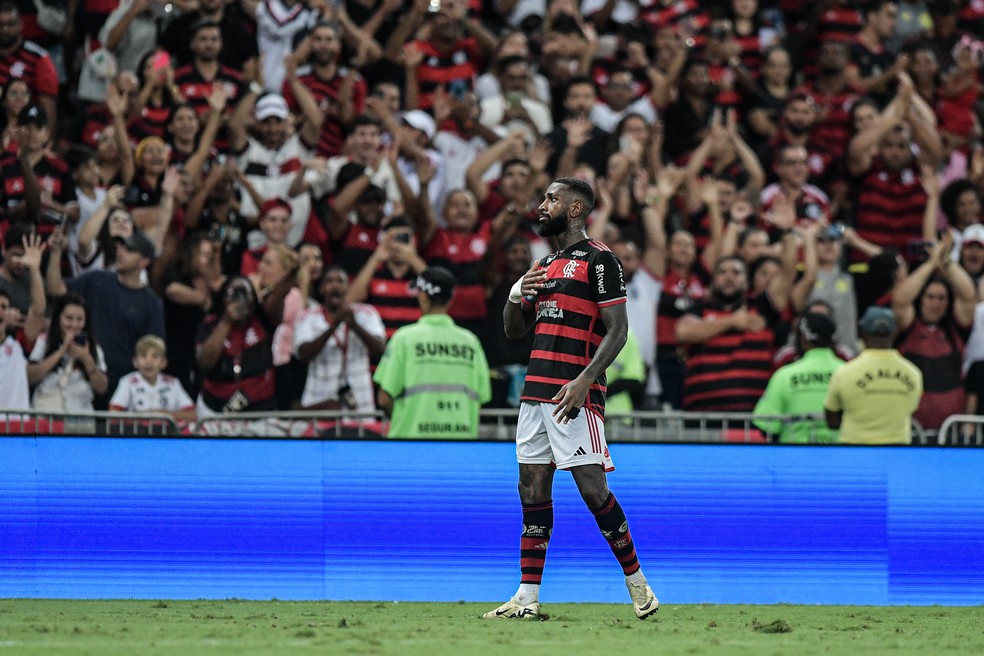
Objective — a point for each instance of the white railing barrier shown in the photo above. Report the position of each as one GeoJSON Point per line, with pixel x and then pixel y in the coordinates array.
{"type": "Point", "coordinates": [16, 422]}
{"type": "Point", "coordinates": [962, 430]}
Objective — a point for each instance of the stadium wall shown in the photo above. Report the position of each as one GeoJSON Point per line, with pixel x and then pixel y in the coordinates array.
{"type": "Point", "coordinates": [430, 521]}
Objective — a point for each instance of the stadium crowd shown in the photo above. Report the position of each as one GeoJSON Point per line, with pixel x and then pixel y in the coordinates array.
{"type": "Point", "coordinates": [213, 206]}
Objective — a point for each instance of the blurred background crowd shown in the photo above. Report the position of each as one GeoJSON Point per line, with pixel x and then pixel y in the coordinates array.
{"type": "Point", "coordinates": [257, 183]}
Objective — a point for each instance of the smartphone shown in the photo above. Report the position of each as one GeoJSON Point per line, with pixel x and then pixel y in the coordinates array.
{"type": "Point", "coordinates": [919, 248]}
{"type": "Point", "coordinates": [402, 237]}
{"type": "Point", "coordinates": [434, 6]}
{"type": "Point", "coordinates": [51, 217]}
{"type": "Point", "coordinates": [161, 61]}
{"type": "Point", "coordinates": [81, 338]}
{"type": "Point", "coordinates": [835, 231]}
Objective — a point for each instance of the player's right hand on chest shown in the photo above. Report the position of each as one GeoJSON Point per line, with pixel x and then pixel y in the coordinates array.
{"type": "Point", "coordinates": [533, 281]}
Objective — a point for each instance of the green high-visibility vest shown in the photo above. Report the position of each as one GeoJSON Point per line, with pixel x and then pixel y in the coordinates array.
{"type": "Point", "coordinates": [438, 377]}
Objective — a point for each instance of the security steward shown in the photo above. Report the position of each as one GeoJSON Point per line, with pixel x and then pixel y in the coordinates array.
{"type": "Point", "coordinates": [800, 387]}
{"type": "Point", "coordinates": [433, 377]}
{"type": "Point", "coordinates": [872, 397]}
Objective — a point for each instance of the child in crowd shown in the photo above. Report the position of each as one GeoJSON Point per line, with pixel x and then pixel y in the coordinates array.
{"type": "Point", "coordinates": [149, 390]}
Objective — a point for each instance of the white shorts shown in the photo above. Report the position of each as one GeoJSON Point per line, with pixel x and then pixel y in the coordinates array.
{"type": "Point", "coordinates": [540, 440]}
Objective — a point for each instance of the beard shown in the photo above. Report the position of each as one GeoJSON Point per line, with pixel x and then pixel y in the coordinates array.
{"type": "Point", "coordinates": [555, 225]}
{"type": "Point", "coordinates": [830, 70]}
{"type": "Point", "coordinates": [798, 130]}
{"type": "Point", "coordinates": [728, 299]}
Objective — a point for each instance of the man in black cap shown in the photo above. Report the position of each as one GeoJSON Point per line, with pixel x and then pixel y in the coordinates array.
{"type": "Point", "coordinates": [433, 376]}
{"type": "Point", "coordinates": [53, 180]}
{"type": "Point", "coordinates": [800, 387]}
{"type": "Point", "coordinates": [122, 306]}
{"type": "Point", "coordinates": [871, 398]}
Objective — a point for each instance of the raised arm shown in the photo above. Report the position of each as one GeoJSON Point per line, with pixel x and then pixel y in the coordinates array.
{"type": "Point", "coordinates": [31, 259]}
{"type": "Point", "coordinates": [312, 118]}
{"type": "Point", "coordinates": [783, 214]}
{"type": "Point", "coordinates": [484, 161]}
{"type": "Point", "coordinates": [116, 104]}
{"type": "Point", "coordinates": [860, 149]}
{"type": "Point", "coordinates": [238, 122]}
{"type": "Point", "coordinates": [216, 102]}
{"type": "Point", "coordinates": [804, 286]}
{"type": "Point", "coordinates": [905, 293]}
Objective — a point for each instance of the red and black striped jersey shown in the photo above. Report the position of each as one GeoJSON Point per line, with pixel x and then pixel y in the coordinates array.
{"type": "Point", "coordinates": [462, 255]}
{"type": "Point", "coordinates": [325, 93]}
{"type": "Point", "coordinates": [393, 299]}
{"type": "Point", "coordinates": [152, 122]}
{"type": "Point", "coordinates": [834, 129]}
{"type": "Point", "coordinates": [677, 299]}
{"type": "Point", "coordinates": [32, 64]}
{"type": "Point", "coordinates": [685, 17]}
{"type": "Point", "coordinates": [244, 371]}
{"type": "Point", "coordinates": [729, 372]}
{"type": "Point", "coordinates": [889, 207]}
{"type": "Point", "coordinates": [454, 70]}
{"type": "Point", "coordinates": [52, 174]}
{"type": "Point", "coordinates": [354, 249]}
{"type": "Point", "coordinates": [581, 280]}
{"type": "Point", "coordinates": [196, 91]}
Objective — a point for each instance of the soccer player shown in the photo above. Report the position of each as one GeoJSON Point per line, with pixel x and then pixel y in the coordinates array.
{"type": "Point", "coordinates": [576, 299]}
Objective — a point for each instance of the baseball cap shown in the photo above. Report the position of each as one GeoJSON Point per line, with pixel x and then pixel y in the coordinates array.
{"type": "Point", "coordinates": [33, 115]}
{"type": "Point", "coordinates": [274, 203]}
{"type": "Point", "coordinates": [272, 104]}
{"type": "Point", "coordinates": [817, 328]}
{"type": "Point", "coordinates": [973, 233]}
{"type": "Point", "coordinates": [421, 120]}
{"type": "Point", "coordinates": [437, 282]}
{"type": "Point", "coordinates": [878, 321]}
{"type": "Point", "coordinates": [138, 243]}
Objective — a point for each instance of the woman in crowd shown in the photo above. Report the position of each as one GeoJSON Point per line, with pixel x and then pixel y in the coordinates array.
{"type": "Point", "coordinates": [188, 296]}
{"type": "Point", "coordinates": [15, 97]}
{"type": "Point", "coordinates": [279, 267]}
{"type": "Point", "coordinates": [158, 94]}
{"type": "Point", "coordinates": [934, 308]}
{"type": "Point", "coordinates": [67, 367]}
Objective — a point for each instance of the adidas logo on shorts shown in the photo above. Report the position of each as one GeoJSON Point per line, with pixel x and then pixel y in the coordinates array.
{"type": "Point", "coordinates": [580, 451]}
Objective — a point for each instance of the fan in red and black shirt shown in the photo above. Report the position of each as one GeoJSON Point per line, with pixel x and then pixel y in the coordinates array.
{"type": "Point", "coordinates": [339, 91]}
{"type": "Point", "coordinates": [447, 58]}
{"type": "Point", "coordinates": [733, 338]}
{"type": "Point", "coordinates": [26, 60]}
{"type": "Point", "coordinates": [55, 183]}
{"type": "Point", "coordinates": [197, 80]}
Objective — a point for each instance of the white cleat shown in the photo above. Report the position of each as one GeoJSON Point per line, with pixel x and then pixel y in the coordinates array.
{"type": "Point", "coordinates": [512, 610]}
{"type": "Point", "coordinates": [644, 601]}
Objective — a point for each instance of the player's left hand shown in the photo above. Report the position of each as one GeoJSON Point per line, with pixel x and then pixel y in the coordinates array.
{"type": "Point", "coordinates": [570, 398]}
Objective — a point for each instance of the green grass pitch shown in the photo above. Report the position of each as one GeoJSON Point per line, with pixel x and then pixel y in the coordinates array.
{"type": "Point", "coordinates": [245, 628]}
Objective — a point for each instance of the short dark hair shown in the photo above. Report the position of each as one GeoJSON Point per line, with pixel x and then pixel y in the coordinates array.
{"type": "Point", "coordinates": [746, 233]}
{"type": "Point", "coordinates": [398, 221]}
{"type": "Point", "coordinates": [874, 6]}
{"type": "Point", "coordinates": [512, 60]}
{"type": "Point", "coordinates": [362, 120]}
{"type": "Point", "coordinates": [577, 80]}
{"type": "Point", "coordinates": [730, 258]}
{"type": "Point", "coordinates": [15, 234]}
{"type": "Point", "coordinates": [580, 188]}
{"type": "Point", "coordinates": [77, 155]}
{"type": "Point", "coordinates": [203, 24]}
